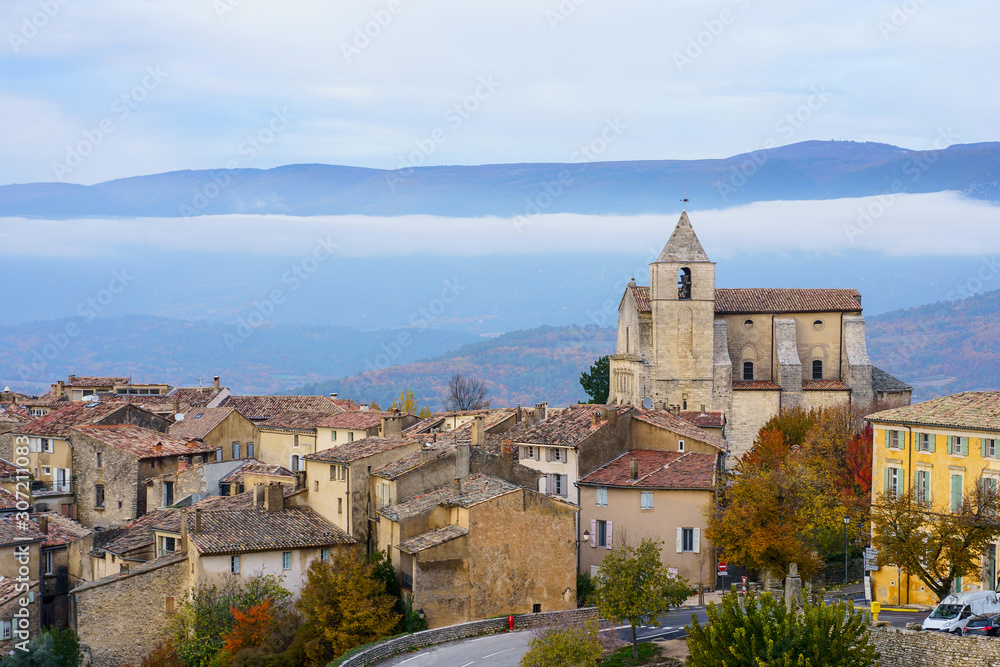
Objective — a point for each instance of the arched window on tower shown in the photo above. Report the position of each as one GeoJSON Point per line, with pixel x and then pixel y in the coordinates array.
{"type": "Point", "coordinates": [749, 360]}
{"type": "Point", "coordinates": [747, 370]}
{"type": "Point", "coordinates": [684, 283]}
{"type": "Point", "coordinates": [817, 369]}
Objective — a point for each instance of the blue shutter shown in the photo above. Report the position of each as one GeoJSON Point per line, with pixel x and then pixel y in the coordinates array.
{"type": "Point", "coordinates": [886, 433]}
{"type": "Point", "coordinates": [932, 440]}
{"type": "Point", "coordinates": [950, 446]}
{"type": "Point", "coordinates": [982, 447]}
{"type": "Point", "coordinates": [887, 470]}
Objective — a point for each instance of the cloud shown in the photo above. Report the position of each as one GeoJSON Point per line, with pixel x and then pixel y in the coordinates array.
{"type": "Point", "coordinates": [904, 225]}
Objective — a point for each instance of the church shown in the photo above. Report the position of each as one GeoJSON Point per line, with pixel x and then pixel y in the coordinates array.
{"type": "Point", "coordinates": [737, 357]}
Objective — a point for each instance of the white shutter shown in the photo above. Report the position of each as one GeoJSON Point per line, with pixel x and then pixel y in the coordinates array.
{"type": "Point", "coordinates": [548, 484]}
{"type": "Point", "coordinates": [524, 452]}
{"type": "Point", "coordinates": [565, 486]}
{"type": "Point", "coordinates": [538, 453]}
{"type": "Point", "coordinates": [680, 540]}
{"type": "Point", "coordinates": [593, 532]}
{"type": "Point", "coordinates": [548, 453]}
{"type": "Point", "coordinates": [32, 444]}
{"type": "Point", "coordinates": [697, 540]}
{"type": "Point", "coordinates": [610, 533]}
{"type": "Point", "coordinates": [291, 462]}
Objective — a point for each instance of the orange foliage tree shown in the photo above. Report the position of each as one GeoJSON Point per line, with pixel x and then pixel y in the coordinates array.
{"type": "Point", "coordinates": [250, 627]}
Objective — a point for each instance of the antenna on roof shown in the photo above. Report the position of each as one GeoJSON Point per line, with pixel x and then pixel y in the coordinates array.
{"type": "Point", "coordinates": [684, 199]}
{"type": "Point", "coordinates": [647, 403]}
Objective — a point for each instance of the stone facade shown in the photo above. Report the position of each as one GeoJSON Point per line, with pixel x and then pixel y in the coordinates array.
{"type": "Point", "coordinates": [684, 344]}
{"type": "Point", "coordinates": [122, 618]}
{"type": "Point", "coordinates": [910, 648]}
{"type": "Point", "coordinates": [20, 601]}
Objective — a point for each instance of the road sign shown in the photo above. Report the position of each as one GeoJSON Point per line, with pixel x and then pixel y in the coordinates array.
{"type": "Point", "coordinates": [722, 567]}
{"type": "Point", "coordinates": [871, 553]}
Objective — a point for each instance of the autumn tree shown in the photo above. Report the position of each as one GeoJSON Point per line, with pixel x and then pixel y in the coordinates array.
{"type": "Point", "coordinates": [345, 604]}
{"type": "Point", "coordinates": [775, 512]}
{"type": "Point", "coordinates": [406, 402]}
{"type": "Point", "coordinates": [466, 393]}
{"type": "Point", "coordinates": [938, 547]}
{"type": "Point", "coordinates": [597, 381]}
{"type": "Point", "coordinates": [633, 584]}
{"type": "Point", "coordinates": [250, 627]}
{"type": "Point", "coordinates": [794, 423]}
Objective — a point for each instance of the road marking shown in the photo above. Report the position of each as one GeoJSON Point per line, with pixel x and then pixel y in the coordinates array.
{"type": "Point", "coordinates": [469, 663]}
{"type": "Point", "coordinates": [413, 658]}
{"type": "Point", "coordinates": [498, 653]}
{"type": "Point", "coordinates": [482, 638]}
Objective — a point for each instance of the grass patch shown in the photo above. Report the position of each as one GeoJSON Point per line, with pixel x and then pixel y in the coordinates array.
{"type": "Point", "coordinates": [648, 652]}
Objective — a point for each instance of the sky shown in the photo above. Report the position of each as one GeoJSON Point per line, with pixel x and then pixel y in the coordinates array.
{"type": "Point", "coordinates": [93, 90]}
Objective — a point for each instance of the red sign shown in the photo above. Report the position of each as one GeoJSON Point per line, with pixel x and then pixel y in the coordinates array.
{"type": "Point", "coordinates": [722, 566]}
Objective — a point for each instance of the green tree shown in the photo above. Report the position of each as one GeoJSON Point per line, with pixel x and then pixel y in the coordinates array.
{"type": "Point", "coordinates": [795, 424]}
{"type": "Point", "coordinates": [760, 631]}
{"type": "Point", "coordinates": [634, 585]}
{"type": "Point", "coordinates": [597, 381]}
{"type": "Point", "coordinates": [52, 648]}
{"type": "Point", "coordinates": [570, 646]}
{"type": "Point", "coordinates": [406, 402]}
{"type": "Point", "coordinates": [345, 604]}
{"type": "Point", "coordinates": [937, 547]}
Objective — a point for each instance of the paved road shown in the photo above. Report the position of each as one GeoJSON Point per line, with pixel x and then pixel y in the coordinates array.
{"type": "Point", "coordinates": [506, 650]}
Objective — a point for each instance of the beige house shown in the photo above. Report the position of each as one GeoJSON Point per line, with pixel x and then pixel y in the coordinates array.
{"type": "Point", "coordinates": [254, 473]}
{"type": "Point", "coordinates": [190, 482]}
{"type": "Point", "coordinates": [352, 425]}
{"type": "Point", "coordinates": [287, 438]}
{"type": "Point", "coordinates": [262, 408]}
{"type": "Point", "coordinates": [685, 345]}
{"type": "Point", "coordinates": [229, 433]}
{"type": "Point", "coordinates": [470, 550]}
{"type": "Point", "coordinates": [651, 493]}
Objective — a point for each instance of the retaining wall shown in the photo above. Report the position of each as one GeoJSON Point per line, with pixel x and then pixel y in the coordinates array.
{"type": "Point", "coordinates": [911, 648]}
{"type": "Point", "coordinates": [393, 647]}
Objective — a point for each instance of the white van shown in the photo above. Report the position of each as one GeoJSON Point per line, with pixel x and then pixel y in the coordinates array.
{"type": "Point", "coordinates": [955, 610]}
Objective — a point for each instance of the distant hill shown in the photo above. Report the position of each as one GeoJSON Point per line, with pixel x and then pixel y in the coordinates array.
{"type": "Point", "coordinates": [806, 170]}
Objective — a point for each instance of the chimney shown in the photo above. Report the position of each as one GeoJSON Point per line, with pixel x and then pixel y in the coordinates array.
{"type": "Point", "coordinates": [517, 415]}
{"type": "Point", "coordinates": [597, 417]}
{"type": "Point", "coordinates": [457, 486]}
{"type": "Point", "coordinates": [462, 456]}
{"type": "Point", "coordinates": [184, 530]}
{"type": "Point", "coordinates": [182, 464]}
{"type": "Point", "coordinates": [215, 383]}
{"type": "Point", "coordinates": [72, 378]}
{"type": "Point", "coordinates": [333, 394]}
{"type": "Point", "coordinates": [428, 455]}
{"type": "Point", "coordinates": [608, 415]}
{"type": "Point", "coordinates": [158, 448]}
{"type": "Point", "coordinates": [197, 521]}
{"type": "Point", "coordinates": [392, 426]}
{"type": "Point", "coordinates": [60, 388]}
{"type": "Point", "coordinates": [633, 469]}
{"type": "Point", "coordinates": [43, 524]}
{"type": "Point", "coordinates": [258, 495]}
{"type": "Point", "coordinates": [702, 408]}
{"type": "Point", "coordinates": [540, 411]}
{"type": "Point", "coordinates": [479, 431]}
{"type": "Point", "coordinates": [274, 498]}
{"type": "Point", "coordinates": [300, 479]}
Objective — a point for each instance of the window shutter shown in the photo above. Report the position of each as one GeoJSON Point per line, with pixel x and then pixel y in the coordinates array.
{"type": "Point", "coordinates": [887, 472]}
{"type": "Point", "coordinates": [951, 447]}
{"type": "Point", "coordinates": [680, 540]}
{"type": "Point", "coordinates": [956, 492]}
{"type": "Point", "coordinates": [982, 446]}
{"type": "Point", "coordinates": [931, 440]}
{"type": "Point", "coordinates": [593, 532]}
{"type": "Point", "coordinates": [697, 540]}
{"type": "Point", "coordinates": [548, 453]}
{"type": "Point", "coordinates": [965, 445]}
{"type": "Point", "coordinates": [564, 485]}
{"type": "Point", "coordinates": [291, 462]}
{"type": "Point", "coordinates": [610, 533]}
{"type": "Point", "coordinates": [548, 484]}
{"type": "Point", "coordinates": [886, 434]}
{"type": "Point", "coordinates": [537, 454]}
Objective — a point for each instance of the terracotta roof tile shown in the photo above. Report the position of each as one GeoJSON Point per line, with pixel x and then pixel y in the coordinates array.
{"type": "Point", "coordinates": [15, 414]}
{"type": "Point", "coordinates": [294, 420]}
{"type": "Point", "coordinates": [475, 489]}
{"type": "Point", "coordinates": [57, 424]}
{"type": "Point", "coordinates": [61, 530]}
{"type": "Point", "coordinates": [254, 529]}
{"type": "Point", "coordinates": [770, 300]}
{"type": "Point", "coordinates": [9, 588]}
{"type": "Point", "coordinates": [705, 419]}
{"type": "Point", "coordinates": [13, 531]}
{"type": "Point", "coordinates": [360, 449]}
{"type": "Point", "coordinates": [257, 408]}
{"type": "Point", "coordinates": [8, 501]}
{"type": "Point", "coordinates": [199, 422]}
{"type": "Point", "coordinates": [755, 385]}
{"type": "Point", "coordinates": [412, 462]}
{"type": "Point", "coordinates": [824, 385]}
{"type": "Point", "coordinates": [665, 420]}
{"type": "Point", "coordinates": [657, 470]}
{"type": "Point", "coordinates": [194, 396]}
{"type": "Point", "coordinates": [641, 295]}
{"type": "Point", "coordinates": [431, 538]}
{"type": "Point", "coordinates": [979, 410]}
{"type": "Point", "coordinates": [141, 442]}
{"type": "Point", "coordinates": [95, 381]}
{"type": "Point", "coordinates": [882, 381]}
{"type": "Point", "coordinates": [567, 428]}
{"type": "Point", "coordinates": [254, 467]}
{"type": "Point", "coordinates": [7, 469]}
{"type": "Point", "coordinates": [360, 419]}
{"type": "Point", "coordinates": [49, 400]}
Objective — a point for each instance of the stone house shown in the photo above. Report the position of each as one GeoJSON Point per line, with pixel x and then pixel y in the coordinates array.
{"type": "Point", "coordinates": [495, 421]}
{"type": "Point", "coordinates": [469, 550]}
{"type": "Point", "coordinates": [354, 425]}
{"type": "Point", "coordinates": [339, 481]}
{"type": "Point", "coordinates": [661, 494]}
{"type": "Point", "coordinates": [229, 433]}
{"type": "Point", "coordinates": [262, 408]}
{"type": "Point", "coordinates": [190, 483]}
{"type": "Point", "coordinates": [253, 473]}
{"type": "Point", "coordinates": [941, 450]}
{"type": "Point", "coordinates": [20, 571]}
{"type": "Point", "coordinates": [112, 464]}
{"type": "Point", "coordinates": [20, 612]}
{"type": "Point", "coordinates": [683, 344]}
{"type": "Point", "coordinates": [65, 561]}
{"type": "Point", "coordinates": [288, 437]}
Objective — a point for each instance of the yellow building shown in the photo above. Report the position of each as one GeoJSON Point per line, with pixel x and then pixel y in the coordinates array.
{"type": "Point", "coordinates": [940, 449]}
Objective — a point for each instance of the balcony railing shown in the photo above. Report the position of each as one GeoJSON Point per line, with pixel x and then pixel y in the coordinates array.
{"type": "Point", "coordinates": [51, 487]}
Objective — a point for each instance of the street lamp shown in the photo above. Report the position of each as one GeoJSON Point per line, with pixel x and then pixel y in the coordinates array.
{"type": "Point", "coordinates": [586, 536]}
{"type": "Point", "coordinates": [847, 522]}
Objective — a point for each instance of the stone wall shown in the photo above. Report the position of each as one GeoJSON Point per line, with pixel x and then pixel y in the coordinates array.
{"type": "Point", "coordinates": [834, 572]}
{"type": "Point", "coordinates": [911, 648]}
{"type": "Point", "coordinates": [751, 410]}
{"type": "Point", "coordinates": [393, 647]}
{"type": "Point", "coordinates": [123, 619]}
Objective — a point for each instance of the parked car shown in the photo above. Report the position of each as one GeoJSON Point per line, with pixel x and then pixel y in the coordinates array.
{"type": "Point", "coordinates": [955, 610]}
{"type": "Point", "coordinates": [987, 625]}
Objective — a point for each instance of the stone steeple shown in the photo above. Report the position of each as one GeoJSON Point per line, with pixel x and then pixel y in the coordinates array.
{"type": "Point", "coordinates": [683, 245]}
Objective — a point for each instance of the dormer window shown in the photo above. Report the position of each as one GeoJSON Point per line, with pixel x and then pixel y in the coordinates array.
{"type": "Point", "coordinates": [684, 283]}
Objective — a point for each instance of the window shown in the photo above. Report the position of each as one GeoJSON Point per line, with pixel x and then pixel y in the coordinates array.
{"type": "Point", "coordinates": [922, 486]}
{"type": "Point", "coordinates": [100, 460]}
{"type": "Point", "coordinates": [680, 445]}
{"type": "Point", "coordinates": [817, 369]}
{"type": "Point", "coordinates": [236, 450]}
{"type": "Point", "coordinates": [602, 496]}
{"type": "Point", "coordinates": [295, 440]}
{"type": "Point", "coordinates": [47, 445]}
{"type": "Point", "coordinates": [249, 450]}
{"type": "Point", "coordinates": [684, 283]}
{"type": "Point", "coordinates": [529, 452]}
{"type": "Point", "coordinates": [286, 560]}
{"type": "Point", "coordinates": [340, 505]}
{"type": "Point", "coordinates": [926, 442]}
{"type": "Point", "coordinates": [748, 370]}
{"type": "Point", "coordinates": [168, 494]}
{"type": "Point", "coordinates": [989, 484]}
{"type": "Point", "coordinates": [240, 488]}
{"type": "Point", "coordinates": [224, 488]}
{"type": "Point", "coordinates": [333, 435]}
{"type": "Point", "coordinates": [957, 484]}
{"type": "Point", "coordinates": [99, 496]}
{"type": "Point", "coordinates": [5, 629]}
{"type": "Point", "coordinates": [748, 324]}
{"type": "Point", "coordinates": [818, 325]}
{"type": "Point", "coordinates": [316, 485]}
{"type": "Point", "coordinates": [218, 454]}
{"type": "Point", "coordinates": [350, 436]}
{"type": "Point", "coordinates": [234, 564]}
{"type": "Point", "coordinates": [293, 462]}
{"type": "Point", "coordinates": [602, 534]}
{"type": "Point", "coordinates": [167, 545]}
{"type": "Point", "coordinates": [958, 445]}
{"type": "Point", "coordinates": [47, 471]}
{"type": "Point", "coordinates": [324, 554]}
{"type": "Point", "coordinates": [687, 539]}
{"type": "Point", "coordinates": [989, 448]}
{"type": "Point", "coordinates": [894, 439]}
{"type": "Point", "coordinates": [47, 562]}
{"type": "Point", "coordinates": [557, 454]}
{"type": "Point", "coordinates": [646, 501]}
{"type": "Point", "coordinates": [557, 485]}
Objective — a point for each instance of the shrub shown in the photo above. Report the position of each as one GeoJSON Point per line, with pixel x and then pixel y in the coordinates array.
{"type": "Point", "coordinates": [762, 632]}
{"type": "Point", "coordinates": [565, 646]}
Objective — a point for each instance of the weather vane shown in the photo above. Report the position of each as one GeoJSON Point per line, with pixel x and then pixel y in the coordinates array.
{"type": "Point", "coordinates": [684, 198]}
